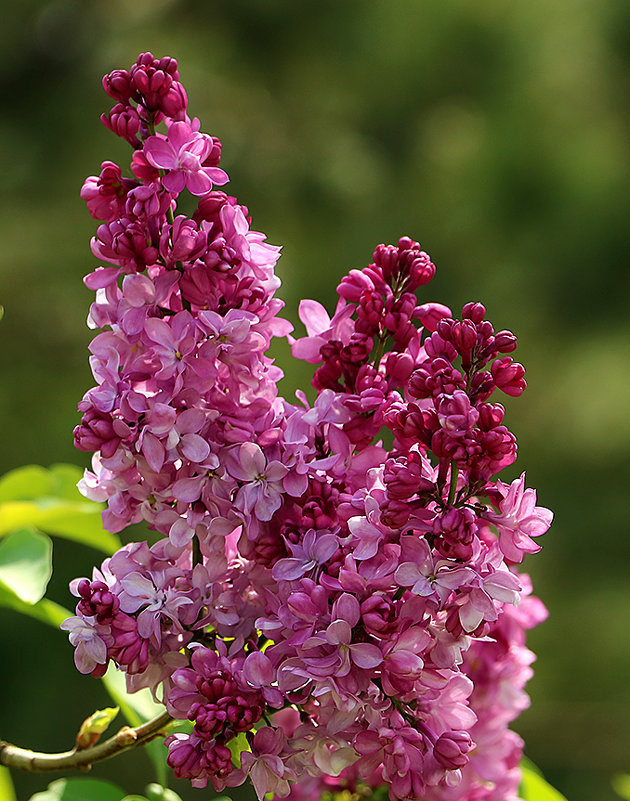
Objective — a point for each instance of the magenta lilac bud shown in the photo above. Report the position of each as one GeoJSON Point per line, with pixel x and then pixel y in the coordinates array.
{"type": "Point", "coordinates": [451, 749]}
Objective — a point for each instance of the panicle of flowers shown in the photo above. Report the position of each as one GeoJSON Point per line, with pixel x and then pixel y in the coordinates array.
{"type": "Point", "coordinates": [332, 608]}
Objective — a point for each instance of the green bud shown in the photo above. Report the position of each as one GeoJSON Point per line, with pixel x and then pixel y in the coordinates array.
{"type": "Point", "coordinates": [92, 727]}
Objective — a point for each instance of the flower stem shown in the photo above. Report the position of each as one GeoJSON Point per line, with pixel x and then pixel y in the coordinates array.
{"type": "Point", "coordinates": [380, 350]}
{"type": "Point", "coordinates": [453, 487]}
{"type": "Point", "coordinates": [24, 759]}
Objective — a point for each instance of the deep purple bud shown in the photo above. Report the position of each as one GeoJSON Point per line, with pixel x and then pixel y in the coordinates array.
{"type": "Point", "coordinates": [105, 194]}
{"type": "Point", "coordinates": [97, 601]}
{"type": "Point", "coordinates": [398, 367]}
{"type": "Point", "coordinates": [454, 531]}
{"type": "Point", "coordinates": [430, 315]}
{"type": "Point", "coordinates": [508, 376]}
{"type": "Point", "coordinates": [395, 514]}
{"type": "Point", "coordinates": [156, 81]}
{"type": "Point", "coordinates": [118, 85]}
{"type": "Point", "coordinates": [124, 122]}
{"type": "Point", "coordinates": [505, 342]}
{"type": "Point", "coordinates": [182, 241]}
{"type": "Point", "coordinates": [451, 748]}
{"type": "Point", "coordinates": [214, 157]}
{"type": "Point", "coordinates": [379, 615]}
{"type": "Point", "coordinates": [354, 284]}
{"type": "Point", "coordinates": [490, 415]}
{"type": "Point", "coordinates": [474, 311]}
{"type": "Point", "coordinates": [175, 101]}
{"type": "Point", "coordinates": [96, 432]}
{"type": "Point", "coordinates": [403, 477]}
{"type": "Point", "coordinates": [386, 257]}
{"type": "Point", "coordinates": [417, 266]}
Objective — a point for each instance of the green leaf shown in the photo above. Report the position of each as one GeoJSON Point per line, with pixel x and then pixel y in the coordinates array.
{"type": "Point", "coordinates": [63, 483]}
{"type": "Point", "coordinates": [237, 745]}
{"type": "Point", "coordinates": [25, 483]}
{"type": "Point", "coordinates": [138, 708]}
{"type": "Point", "coordinates": [26, 564]}
{"type": "Point", "coordinates": [79, 521]}
{"type": "Point", "coordinates": [45, 610]}
{"type": "Point", "coordinates": [80, 790]}
{"type": "Point", "coordinates": [535, 788]}
{"type": "Point", "coordinates": [50, 500]}
{"type": "Point", "coordinates": [34, 481]}
{"type": "Point", "coordinates": [527, 763]}
{"type": "Point", "coordinates": [7, 792]}
{"type": "Point", "coordinates": [621, 785]}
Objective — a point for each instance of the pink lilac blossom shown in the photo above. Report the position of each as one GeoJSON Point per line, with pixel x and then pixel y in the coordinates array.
{"type": "Point", "coordinates": [351, 612]}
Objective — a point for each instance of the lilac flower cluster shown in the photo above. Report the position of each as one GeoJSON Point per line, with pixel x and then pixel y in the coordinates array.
{"type": "Point", "coordinates": [318, 605]}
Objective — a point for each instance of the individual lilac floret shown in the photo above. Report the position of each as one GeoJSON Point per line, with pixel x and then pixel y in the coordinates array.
{"type": "Point", "coordinates": [518, 519]}
{"type": "Point", "coordinates": [316, 549]}
{"type": "Point", "coordinates": [268, 772]}
{"type": "Point", "coordinates": [261, 491]}
{"type": "Point", "coordinates": [182, 154]}
{"type": "Point", "coordinates": [91, 649]}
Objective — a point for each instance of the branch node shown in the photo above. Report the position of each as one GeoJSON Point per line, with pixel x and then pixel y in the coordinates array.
{"type": "Point", "coordinates": [126, 737]}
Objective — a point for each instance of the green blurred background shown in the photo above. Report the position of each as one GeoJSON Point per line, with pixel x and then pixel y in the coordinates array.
{"type": "Point", "coordinates": [494, 132]}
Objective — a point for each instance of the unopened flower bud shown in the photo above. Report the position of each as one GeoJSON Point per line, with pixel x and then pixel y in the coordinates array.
{"type": "Point", "coordinates": [451, 748]}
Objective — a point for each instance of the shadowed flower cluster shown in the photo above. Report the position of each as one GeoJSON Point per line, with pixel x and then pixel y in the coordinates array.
{"type": "Point", "coordinates": [318, 604]}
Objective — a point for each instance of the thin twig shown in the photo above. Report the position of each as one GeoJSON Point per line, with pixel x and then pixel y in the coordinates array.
{"type": "Point", "coordinates": [23, 759]}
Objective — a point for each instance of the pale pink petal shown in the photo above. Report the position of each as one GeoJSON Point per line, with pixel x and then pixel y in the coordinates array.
{"type": "Point", "coordinates": [252, 460]}
{"type": "Point", "coordinates": [138, 586]}
{"type": "Point", "coordinates": [180, 533]}
{"type": "Point", "coordinates": [276, 471]}
{"type": "Point", "coordinates": [295, 483]}
{"type": "Point", "coordinates": [148, 621]}
{"type": "Point", "coordinates": [366, 655]}
{"type": "Point", "coordinates": [470, 617]}
{"type": "Point", "coordinates": [347, 608]}
{"type": "Point", "coordinates": [138, 289]}
{"type": "Point", "coordinates": [288, 569]}
{"type": "Point", "coordinates": [324, 548]}
{"type": "Point", "coordinates": [258, 669]}
{"type": "Point", "coordinates": [194, 447]}
{"type": "Point", "coordinates": [338, 633]}
{"type": "Point", "coordinates": [407, 574]}
{"type": "Point", "coordinates": [101, 277]}
{"type": "Point", "coordinates": [153, 450]}
{"type": "Point", "coordinates": [314, 316]}
{"type": "Point", "coordinates": [308, 349]}
{"type": "Point", "coordinates": [160, 332]}
{"type": "Point", "coordinates": [267, 505]}
{"type": "Point", "coordinates": [404, 663]}
{"type": "Point", "coordinates": [188, 490]}
{"type": "Point", "coordinates": [218, 177]}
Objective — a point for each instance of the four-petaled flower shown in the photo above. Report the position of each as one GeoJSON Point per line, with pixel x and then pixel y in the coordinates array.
{"type": "Point", "coordinates": [182, 154]}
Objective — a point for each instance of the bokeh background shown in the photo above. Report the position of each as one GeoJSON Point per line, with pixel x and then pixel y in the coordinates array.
{"type": "Point", "coordinates": [496, 133]}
